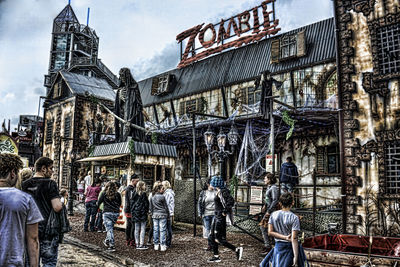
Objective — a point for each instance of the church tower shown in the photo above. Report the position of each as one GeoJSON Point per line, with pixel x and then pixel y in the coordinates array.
{"type": "Point", "coordinates": [74, 48]}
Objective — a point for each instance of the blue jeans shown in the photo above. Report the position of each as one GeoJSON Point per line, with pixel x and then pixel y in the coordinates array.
{"type": "Point", "coordinates": [169, 232]}
{"type": "Point", "coordinates": [91, 211]}
{"type": "Point", "coordinates": [48, 252]}
{"type": "Point", "coordinates": [160, 231]}
{"type": "Point", "coordinates": [109, 219]}
{"type": "Point", "coordinates": [207, 220]}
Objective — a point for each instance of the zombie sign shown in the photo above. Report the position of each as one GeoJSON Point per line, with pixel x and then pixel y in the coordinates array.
{"type": "Point", "coordinates": [247, 27]}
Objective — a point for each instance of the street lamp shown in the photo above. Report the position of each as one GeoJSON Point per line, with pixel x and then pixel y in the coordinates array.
{"type": "Point", "coordinates": [233, 136]}
{"type": "Point", "coordinates": [74, 156]}
{"type": "Point", "coordinates": [221, 154]}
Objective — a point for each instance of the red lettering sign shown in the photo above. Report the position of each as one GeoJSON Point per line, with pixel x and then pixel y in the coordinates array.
{"type": "Point", "coordinates": [233, 32]}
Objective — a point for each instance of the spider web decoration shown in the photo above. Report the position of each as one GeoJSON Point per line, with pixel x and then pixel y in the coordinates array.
{"type": "Point", "coordinates": [249, 161]}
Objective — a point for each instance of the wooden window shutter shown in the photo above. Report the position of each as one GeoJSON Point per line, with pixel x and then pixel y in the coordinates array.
{"type": "Point", "coordinates": [154, 86]}
{"type": "Point", "coordinates": [301, 44]}
{"type": "Point", "coordinates": [275, 51]}
{"type": "Point", "coordinates": [321, 159]}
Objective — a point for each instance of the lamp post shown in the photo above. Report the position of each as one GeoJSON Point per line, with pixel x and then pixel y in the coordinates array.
{"type": "Point", "coordinates": [221, 153]}
{"type": "Point", "coordinates": [73, 155]}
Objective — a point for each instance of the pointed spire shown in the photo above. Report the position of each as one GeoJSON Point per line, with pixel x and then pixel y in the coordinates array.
{"type": "Point", "coordinates": [88, 13]}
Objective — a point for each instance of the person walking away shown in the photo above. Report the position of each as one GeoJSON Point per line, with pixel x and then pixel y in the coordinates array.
{"type": "Point", "coordinates": [170, 198]}
{"type": "Point", "coordinates": [88, 180]}
{"type": "Point", "coordinates": [284, 226]}
{"type": "Point", "coordinates": [99, 217]}
{"type": "Point", "coordinates": [20, 217]}
{"type": "Point", "coordinates": [92, 195]}
{"type": "Point", "coordinates": [130, 193]}
{"type": "Point", "coordinates": [112, 201]}
{"type": "Point", "coordinates": [25, 174]}
{"type": "Point", "coordinates": [45, 193]}
{"type": "Point", "coordinates": [81, 188]}
{"type": "Point", "coordinates": [271, 204]}
{"type": "Point", "coordinates": [206, 208]}
{"type": "Point", "coordinates": [223, 203]}
{"type": "Point", "coordinates": [289, 176]}
{"type": "Point", "coordinates": [159, 212]}
{"type": "Point", "coordinates": [150, 220]}
{"type": "Point", "coordinates": [64, 196]}
{"type": "Point", "coordinates": [139, 212]}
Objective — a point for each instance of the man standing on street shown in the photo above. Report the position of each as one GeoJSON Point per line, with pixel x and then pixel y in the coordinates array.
{"type": "Point", "coordinates": [289, 177]}
{"type": "Point", "coordinates": [19, 217]}
{"type": "Point", "coordinates": [88, 180]}
{"type": "Point", "coordinates": [45, 192]}
{"type": "Point", "coordinates": [130, 193]}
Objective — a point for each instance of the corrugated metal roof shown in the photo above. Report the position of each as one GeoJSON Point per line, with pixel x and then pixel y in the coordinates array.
{"type": "Point", "coordinates": [245, 63]}
{"type": "Point", "coordinates": [140, 149]}
{"type": "Point", "coordinates": [81, 84]}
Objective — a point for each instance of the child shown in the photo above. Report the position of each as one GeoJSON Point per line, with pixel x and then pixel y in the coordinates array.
{"type": "Point", "coordinates": [284, 226]}
{"type": "Point", "coordinates": [139, 212]}
{"type": "Point", "coordinates": [160, 213]}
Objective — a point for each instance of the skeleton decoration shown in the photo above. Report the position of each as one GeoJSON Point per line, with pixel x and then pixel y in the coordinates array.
{"type": "Point", "coordinates": [128, 105]}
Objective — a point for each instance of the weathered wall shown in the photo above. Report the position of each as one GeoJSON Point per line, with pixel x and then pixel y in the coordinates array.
{"type": "Point", "coordinates": [371, 105]}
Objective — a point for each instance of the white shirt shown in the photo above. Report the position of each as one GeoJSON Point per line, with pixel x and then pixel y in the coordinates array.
{"type": "Point", "coordinates": [88, 181]}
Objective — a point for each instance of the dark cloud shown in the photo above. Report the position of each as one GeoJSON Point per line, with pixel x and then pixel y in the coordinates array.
{"type": "Point", "coordinates": [166, 59]}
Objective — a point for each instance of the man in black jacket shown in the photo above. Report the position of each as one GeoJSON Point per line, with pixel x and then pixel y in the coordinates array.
{"type": "Point", "coordinates": [130, 193]}
{"type": "Point", "coordinates": [46, 195]}
{"type": "Point", "coordinates": [289, 177]}
{"type": "Point", "coordinates": [224, 203]}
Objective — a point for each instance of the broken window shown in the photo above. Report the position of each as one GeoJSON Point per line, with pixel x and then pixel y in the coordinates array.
{"type": "Point", "coordinates": [288, 46]}
{"type": "Point", "coordinates": [392, 167]}
{"type": "Point", "coordinates": [49, 132]}
{"type": "Point", "coordinates": [328, 159]}
{"type": "Point", "coordinates": [388, 40]}
{"type": "Point", "coordinates": [163, 84]}
{"type": "Point", "coordinates": [251, 95]}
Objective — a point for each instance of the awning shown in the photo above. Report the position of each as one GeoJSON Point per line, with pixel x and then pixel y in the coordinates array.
{"type": "Point", "coordinates": [102, 158]}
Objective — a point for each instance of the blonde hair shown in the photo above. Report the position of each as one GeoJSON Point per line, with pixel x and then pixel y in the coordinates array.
{"type": "Point", "coordinates": [166, 185]}
{"type": "Point", "coordinates": [26, 173]}
{"type": "Point", "coordinates": [155, 187]}
{"type": "Point", "coordinates": [140, 187]}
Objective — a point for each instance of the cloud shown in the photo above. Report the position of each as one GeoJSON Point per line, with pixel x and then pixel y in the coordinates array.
{"type": "Point", "coordinates": [137, 34]}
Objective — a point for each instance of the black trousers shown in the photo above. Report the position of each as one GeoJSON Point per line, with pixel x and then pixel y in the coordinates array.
{"type": "Point", "coordinates": [218, 234]}
{"type": "Point", "coordinates": [130, 230]}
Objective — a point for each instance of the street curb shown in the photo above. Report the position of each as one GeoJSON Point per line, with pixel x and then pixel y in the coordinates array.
{"type": "Point", "coordinates": [119, 260]}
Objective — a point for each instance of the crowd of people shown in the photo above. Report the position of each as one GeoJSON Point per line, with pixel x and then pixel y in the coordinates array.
{"type": "Point", "coordinates": [33, 215]}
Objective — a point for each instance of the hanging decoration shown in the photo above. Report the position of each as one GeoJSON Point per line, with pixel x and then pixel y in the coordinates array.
{"type": "Point", "coordinates": [289, 121]}
{"type": "Point", "coordinates": [250, 156]}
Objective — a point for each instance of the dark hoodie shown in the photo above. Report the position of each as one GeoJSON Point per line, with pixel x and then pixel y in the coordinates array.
{"type": "Point", "coordinates": [289, 173]}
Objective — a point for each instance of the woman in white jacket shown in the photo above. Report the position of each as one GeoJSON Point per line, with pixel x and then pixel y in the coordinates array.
{"type": "Point", "coordinates": [170, 198]}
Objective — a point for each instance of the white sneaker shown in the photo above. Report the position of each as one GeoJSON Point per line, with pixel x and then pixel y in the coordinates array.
{"type": "Point", "coordinates": [163, 248]}
{"type": "Point", "coordinates": [156, 247]}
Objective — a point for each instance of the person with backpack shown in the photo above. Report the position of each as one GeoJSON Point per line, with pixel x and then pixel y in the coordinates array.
{"type": "Point", "coordinates": [112, 201]}
{"type": "Point", "coordinates": [289, 177]}
{"type": "Point", "coordinates": [139, 212]}
{"type": "Point", "coordinates": [223, 203]}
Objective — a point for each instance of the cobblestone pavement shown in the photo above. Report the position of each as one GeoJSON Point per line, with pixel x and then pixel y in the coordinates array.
{"type": "Point", "coordinates": [70, 255]}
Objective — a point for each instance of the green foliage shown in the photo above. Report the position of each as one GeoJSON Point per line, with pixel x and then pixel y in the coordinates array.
{"type": "Point", "coordinates": [233, 183]}
{"type": "Point", "coordinates": [289, 121]}
{"type": "Point", "coordinates": [154, 138]}
{"type": "Point", "coordinates": [91, 150]}
{"type": "Point", "coordinates": [131, 146]}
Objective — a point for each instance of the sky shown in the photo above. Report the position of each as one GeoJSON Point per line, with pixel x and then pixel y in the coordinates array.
{"type": "Point", "coordinates": [138, 34]}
